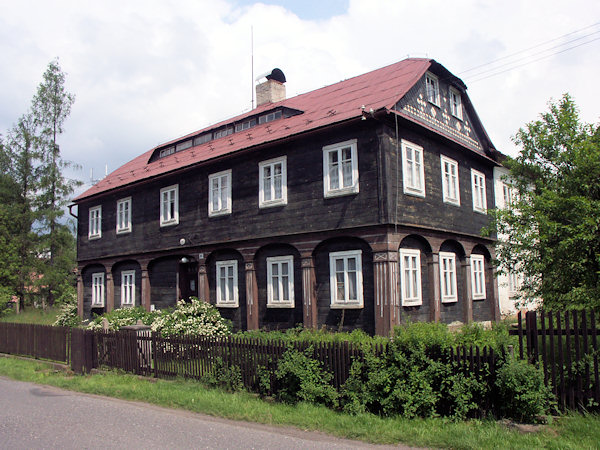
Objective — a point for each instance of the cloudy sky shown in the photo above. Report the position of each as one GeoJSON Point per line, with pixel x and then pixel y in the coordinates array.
{"type": "Point", "coordinates": [145, 72]}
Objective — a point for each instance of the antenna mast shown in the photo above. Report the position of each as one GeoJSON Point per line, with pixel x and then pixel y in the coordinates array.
{"type": "Point", "coordinates": [252, 61]}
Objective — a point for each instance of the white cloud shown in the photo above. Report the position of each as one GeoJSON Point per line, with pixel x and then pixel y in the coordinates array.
{"type": "Point", "coordinates": [145, 72]}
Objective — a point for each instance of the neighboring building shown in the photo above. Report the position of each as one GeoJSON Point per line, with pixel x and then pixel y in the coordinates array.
{"type": "Point", "coordinates": [357, 205]}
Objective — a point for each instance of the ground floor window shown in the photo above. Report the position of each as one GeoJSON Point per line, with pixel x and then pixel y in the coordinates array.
{"type": "Point", "coordinates": [227, 284]}
{"type": "Point", "coordinates": [280, 282]}
{"type": "Point", "coordinates": [345, 273]}
{"type": "Point", "coordinates": [478, 276]}
{"type": "Point", "coordinates": [128, 288]}
{"type": "Point", "coordinates": [410, 277]}
{"type": "Point", "coordinates": [97, 290]}
{"type": "Point", "coordinates": [448, 277]}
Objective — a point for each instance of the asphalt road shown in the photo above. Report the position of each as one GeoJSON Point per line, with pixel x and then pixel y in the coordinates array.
{"type": "Point", "coordinates": [34, 417]}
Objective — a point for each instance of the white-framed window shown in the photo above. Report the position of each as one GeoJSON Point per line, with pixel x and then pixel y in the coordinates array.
{"type": "Point", "coordinates": [450, 183]}
{"type": "Point", "coordinates": [227, 284]}
{"type": "Point", "coordinates": [340, 169]}
{"type": "Point", "coordinates": [449, 292]}
{"type": "Point", "coordinates": [507, 195]}
{"type": "Point", "coordinates": [95, 225]}
{"type": "Point", "coordinates": [345, 275]}
{"type": "Point", "coordinates": [513, 282]}
{"type": "Point", "coordinates": [410, 277]}
{"type": "Point", "coordinates": [124, 215]}
{"type": "Point", "coordinates": [478, 191]}
{"type": "Point", "coordinates": [98, 290]}
{"type": "Point", "coordinates": [412, 169]}
{"type": "Point", "coordinates": [455, 103]}
{"type": "Point", "coordinates": [219, 193]}
{"type": "Point", "coordinates": [280, 282]}
{"type": "Point", "coordinates": [478, 276]}
{"type": "Point", "coordinates": [272, 182]}
{"type": "Point", "coordinates": [432, 89]}
{"type": "Point", "coordinates": [128, 288]}
{"type": "Point", "coordinates": [169, 205]}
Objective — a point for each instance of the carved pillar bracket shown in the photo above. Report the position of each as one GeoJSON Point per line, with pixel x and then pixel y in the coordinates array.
{"type": "Point", "coordinates": [251, 297]}
{"type": "Point", "coordinates": [468, 294]}
{"type": "Point", "coordinates": [387, 305]}
{"type": "Point", "coordinates": [435, 305]}
{"type": "Point", "coordinates": [203, 288]}
{"type": "Point", "coordinates": [309, 293]}
{"type": "Point", "coordinates": [79, 294]}
{"type": "Point", "coordinates": [146, 289]}
{"type": "Point", "coordinates": [110, 291]}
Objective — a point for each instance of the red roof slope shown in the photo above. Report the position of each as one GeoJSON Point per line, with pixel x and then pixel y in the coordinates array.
{"type": "Point", "coordinates": [378, 89]}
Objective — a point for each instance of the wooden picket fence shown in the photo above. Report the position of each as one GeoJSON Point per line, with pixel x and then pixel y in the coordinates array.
{"type": "Point", "coordinates": [36, 341]}
{"type": "Point", "coordinates": [566, 345]}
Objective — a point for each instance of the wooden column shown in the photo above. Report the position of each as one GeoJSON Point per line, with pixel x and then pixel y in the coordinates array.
{"type": "Point", "coordinates": [251, 297]}
{"type": "Point", "coordinates": [146, 289]}
{"type": "Point", "coordinates": [387, 309]}
{"type": "Point", "coordinates": [468, 293]}
{"type": "Point", "coordinates": [494, 305]}
{"type": "Point", "coordinates": [110, 291]}
{"type": "Point", "coordinates": [435, 304]}
{"type": "Point", "coordinates": [203, 287]}
{"type": "Point", "coordinates": [79, 294]}
{"type": "Point", "coordinates": [309, 293]}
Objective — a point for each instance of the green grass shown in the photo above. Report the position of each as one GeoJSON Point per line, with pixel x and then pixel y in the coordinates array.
{"type": "Point", "coordinates": [33, 315]}
{"type": "Point", "coordinates": [568, 432]}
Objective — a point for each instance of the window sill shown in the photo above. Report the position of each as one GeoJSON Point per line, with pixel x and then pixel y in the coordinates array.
{"type": "Point", "coordinates": [227, 305]}
{"type": "Point", "coordinates": [451, 202]}
{"type": "Point", "coordinates": [450, 300]}
{"type": "Point", "coordinates": [414, 193]}
{"type": "Point", "coordinates": [407, 304]}
{"type": "Point", "coordinates": [273, 203]}
{"type": "Point", "coordinates": [280, 306]}
{"type": "Point", "coordinates": [169, 223]}
{"type": "Point", "coordinates": [480, 211]}
{"type": "Point", "coordinates": [346, 306]}
{"type": "Point", "coordinates": [478, 298]}
{"type": "Point", "coordinates": [223, 212]}
{"type": "Point", "coordinates": [94, 237]}
{"type": "Point", "coordinates": [341, 192]}
{"type": "Point", "coordinates": [124, 231]}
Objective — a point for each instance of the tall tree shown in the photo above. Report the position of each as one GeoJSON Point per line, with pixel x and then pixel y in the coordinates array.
{"type": "Point", "coordinates": [553, 227]}
{"type": "Point", "coordinates": [22, 158]}
{"type": "Point", "coordinates": [50, 107]}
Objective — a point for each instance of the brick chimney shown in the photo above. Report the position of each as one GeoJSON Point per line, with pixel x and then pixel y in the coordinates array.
{"type": "Point", "coordinates": [272, 90]}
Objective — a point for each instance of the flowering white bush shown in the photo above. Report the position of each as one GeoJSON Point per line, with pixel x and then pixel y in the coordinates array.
{"type": "Point", "coordinates": [121, 317]}
{"type": "Point", "coordinates": [68, 316]}
{"type": "Point", "coordinates": [194, 317]}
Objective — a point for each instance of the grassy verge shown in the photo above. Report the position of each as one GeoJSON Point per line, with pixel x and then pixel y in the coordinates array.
{"type": "Point", "coordinates": [33, 315]}
{"type": "Point", "coordinates": [576, 431]}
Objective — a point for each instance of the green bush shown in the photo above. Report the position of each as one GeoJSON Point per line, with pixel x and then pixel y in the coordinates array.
{"type": "Point", "coordinates": [299, 377]}
{"type": "Point", "coordinates": [194, 317]}
{"type": "Point", "coordinates": [522, 393]}
{"type": "Point", "coordinates": [6, 295]}
{"type": "Point", "coordinates": [223, 376]}
{"type": "Point", "coordinates": [122, 317]}
{"type": "Point", "coordinates": [67, 317]}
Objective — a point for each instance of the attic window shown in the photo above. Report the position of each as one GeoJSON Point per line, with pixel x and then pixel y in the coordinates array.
{"type": "Point", "coordinates": [223, 132]}
{"type": "Point", "coordinates": [183, 145]}
{"type": "Point", "coordinates": [245, 125]}
{"type": "Point", "coordinates": [269, 117]}
{"type": "Point", "coordinates": [203, 138]}
{"type": "Point", "coordinates": [432, 88]}
{"type": "Point", "coordinates": [166, 152]}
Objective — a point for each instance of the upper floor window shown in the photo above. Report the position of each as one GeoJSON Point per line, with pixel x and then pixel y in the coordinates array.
{"type": "Point", "coordinates": [124, 215]}
{"type": "Point", "coordinates": [345, 274]}
{"type": "Point", "coordinates": [450, 185]}
{"type": "Point", "coordinates": [410, 277]}
{"type": "Point", "coordinates": [448, 277]}
{"type": "Point", "coordinates": [340, 169]}
{"type": "Point", "coordinates": [513, 282]}
{"type": "Point", "coordinates": [223, 132]}
{"type": "Point", "coordinates": [269, 117]}
{"type": "Point", "coordinates": [128, 288]}
{"type": "Point", "coordinates": [272, 182]}
{"type": "Point", "coordinates": [219, 193]}
{"type": "Point", "coordinates": [245, 125]}
{"type": "Point", "coordinates": [169, 205]}
{"type": "Point", "coordinates": [97, 290]}
{"type": "Point", "coordinates": [280, 282]}
{"type": "Point", "coordinates": [432, 88]}
{"type": "Point", "coordinates": [227, 284]}
{"type": "Point", "coordinates": [455, 103]}
{"type": "Point", "coordinates": [507, 195]}
{"type": "Point", "coordinates": [478, 191]}
{"type": "Point", "coordinates": [478, 276]}
{"type": "Point", "coordinates": [412, 169]}
{"type": "Point", "coordinates": [95, 224]}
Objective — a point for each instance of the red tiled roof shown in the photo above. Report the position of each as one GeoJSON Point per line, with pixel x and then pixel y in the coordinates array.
{"type": "Point", "coordinates": [378, 89]}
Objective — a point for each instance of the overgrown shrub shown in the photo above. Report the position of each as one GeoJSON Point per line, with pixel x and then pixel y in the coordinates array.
{"type": "Point", "coordinates": [122, 317]}
{"type": "Point", "coordinates": [194, 317]}
{"type": "Point", "coordinates": [522, 393]}
{"type": "Point", "coordinates": [6, 295]}
{"type": "Point", "coordinates": [68, 315]}
{"type": "Point", "coordinates": [299, 377]}
{"type": "Point", "coordinates": [224, 376]}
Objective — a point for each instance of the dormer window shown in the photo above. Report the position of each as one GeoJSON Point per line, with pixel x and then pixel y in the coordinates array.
{"type": "Point", "coordinates": [432, 89]}
{"type": "Point", "coordinates": [166, 152]}
{"type": "Point", "coordinates": [455, 103]}
{"type": "Point", "coordinates": [269, 117]}
{"type": "Point", "coordinates": [223, 132]}
{"type": "Point", "coordinates": [245, 125]}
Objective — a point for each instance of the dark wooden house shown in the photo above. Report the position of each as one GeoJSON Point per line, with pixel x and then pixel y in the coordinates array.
{"type": "Point", "coordinates": [357, 205]}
